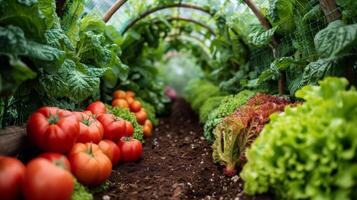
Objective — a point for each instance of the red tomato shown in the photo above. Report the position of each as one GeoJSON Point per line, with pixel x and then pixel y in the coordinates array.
{"type": "Point", "coordinates": [97, 108]}
{"type": "Point", "coordinates": [119, 94]}
{"type": "Point", "coordinates": [57, 159]}
{"type": "Point", "coordinates": [80, 114]}
{"type": "Point", "coordinates": [114, 127]}
{"type": "Point", "coordinates": [141, 116]}
{"type": "Point", "coordinates": [129, 129]}
{"type": "Point", "coordinates": [130, 94]}
{"type": "Point", "coordinates": [12, 173]}
{"type": "Point", "coordinates": [130, 100]}
{"type": "Point", "coordinates": [135, 106]}
{"type": "Point", "coordinates": [46, 181]}
{"type": "Point", "coordinates": [121, 103]}
{"type": "Point", "coordinates": [89, 164]}
{"type": "Point", "coordinates": [130, 149]}
{"type": "Point", "coordinates": [90, 129]}
{"type": "Point", "coordinates": [111, 150]}
{"type": "Point", "coordinates": [52, 129]}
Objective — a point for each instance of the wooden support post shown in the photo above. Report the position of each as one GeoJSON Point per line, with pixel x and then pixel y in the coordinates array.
{"type": "Point", "coordinates": [264, 22]}
{"type": "Point", "coordinates": [12, 140]}
{"type": "Point", "coordinates": [330, 10]}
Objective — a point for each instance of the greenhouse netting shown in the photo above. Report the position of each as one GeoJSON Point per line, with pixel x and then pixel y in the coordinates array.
{"type": "Point", "coordinates": [178, 99]}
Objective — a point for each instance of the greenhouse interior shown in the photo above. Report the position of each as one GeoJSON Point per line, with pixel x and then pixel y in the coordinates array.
{"type": "Point", "coordinates": [178, 99]}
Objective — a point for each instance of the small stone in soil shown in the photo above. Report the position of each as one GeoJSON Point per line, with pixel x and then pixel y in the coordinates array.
{"type": "Point", "coordinates": [235, 178]}
{"type": "Point", "coordinates": [106, 197]}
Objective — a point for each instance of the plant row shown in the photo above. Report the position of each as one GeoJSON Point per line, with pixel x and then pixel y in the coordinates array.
{"type": "Point", "coordinates": [78, 148]}
{"type": "Point", "coordinates": [301, 150]}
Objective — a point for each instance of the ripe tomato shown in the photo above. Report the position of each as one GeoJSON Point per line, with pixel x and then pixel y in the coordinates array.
{"type": "Point", "coordinates": [111, 150]}
{"type": "Point", "coordinates": [130, 100]}
{"type": "Point", "coordinates": [46, 181]}
{"type": "Point", "coordinates": [80, 114]}
{"type": "Point", "coordinates": [130, 94]}
{"type": "Point", "coordinates": [130, 149]}
{"type": "Point", "coordinates": [135, 106]}
{"type": "Point", "coordinates": [57, 159]}
{"type": "Point", "coordinates": [114, 127]}
{"type": "Point", "coordinates": [129, 129]}
{"type": "Point", "coordinates": [97, 108]}
{"type": "Point", "coordinates": [141, 116]}
{"type": "Point", "coordinates": [119, 94]}
{"type": "Point", "coordinates": [12, 173]}
{"type": "Point", "coordinates": [89, 164]}
{"type": "Point", "coordinates": [121, 103]}
{"type": "Point", "coordinates": [90, 129]}
{"type": "Point", "coordinates": [147, 129]}
{"type": "Point", "coordinates": [52, 129]}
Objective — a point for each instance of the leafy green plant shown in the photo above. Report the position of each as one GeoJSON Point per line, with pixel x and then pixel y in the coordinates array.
{"type": "Point", "coordinates": [198, 91]}
{"type": "Point", "coordinates": [309, 151]}
{"type": "Point", "coordinates": [227, 106]}
{"type": "Point", "coordinates": [235, 133]}
{"type": "Point", "coordinates": [208, 106]}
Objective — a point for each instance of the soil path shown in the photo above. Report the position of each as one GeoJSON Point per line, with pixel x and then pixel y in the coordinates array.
{"type": "Point", "coordinates": [176, 164]}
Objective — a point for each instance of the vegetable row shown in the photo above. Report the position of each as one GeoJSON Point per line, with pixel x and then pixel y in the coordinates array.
{"type": "Point", "coordinates": [301, 150]}
{"type": "Point", "coordinates": [80, 146]}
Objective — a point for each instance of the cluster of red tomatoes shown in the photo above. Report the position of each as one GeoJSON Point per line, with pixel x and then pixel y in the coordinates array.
{"type": "Point", "coordinates": [85, 145]}
{"type": "Point", "coordinates": [126, 99]}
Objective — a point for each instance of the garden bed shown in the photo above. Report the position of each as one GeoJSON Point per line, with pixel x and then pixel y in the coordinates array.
{"type": "Point", "coordinates": [176, 164]}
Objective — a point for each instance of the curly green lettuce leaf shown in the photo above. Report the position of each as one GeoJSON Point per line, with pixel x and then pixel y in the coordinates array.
{"type": "Point", "coordinates": [309, 151]}
{"type": "Point", "coordinates": [227, 106]}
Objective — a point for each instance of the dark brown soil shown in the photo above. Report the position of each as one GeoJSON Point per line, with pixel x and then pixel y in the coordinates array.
{"type": "Point", "coordinates": [176, 164]}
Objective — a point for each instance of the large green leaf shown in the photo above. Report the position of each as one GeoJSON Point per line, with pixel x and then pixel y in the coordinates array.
{"type": "Point", "coordinates": [70, 20]}
{"type": "Point", "coordinates": [74, 81]}
{"type": "Point", "coordinates": [14, 42]}
{"type": "Point", "coordinates": [259, 37]}
{"type": "Point", "coordinates": [13, 74]}
{"type": "Point", "coordinates": [26, 15]}
{"type": "Point", "coordinates": [336, 39]}
{"type": "Point", "coordinates": [316, 71]}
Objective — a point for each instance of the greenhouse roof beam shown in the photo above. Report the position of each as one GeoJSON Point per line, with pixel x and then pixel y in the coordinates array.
{"type": "Point", "coordinates": [189, 20]}
{"type": "Point", "coordinates": [113, 9]}
{"type": "Point", "coordinates": [162, 7]}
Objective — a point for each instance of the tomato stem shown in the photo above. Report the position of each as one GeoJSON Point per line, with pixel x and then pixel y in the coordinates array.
{"type": "Point", "coordinates": [90, 150]}
{"type": "Point", "coordinates": [86, 122]}
{"type": "Point", "coordinates": [53, 119]}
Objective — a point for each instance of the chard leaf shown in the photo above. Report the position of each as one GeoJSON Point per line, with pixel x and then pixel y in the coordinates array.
{"type": "Point", "coordinates": [92, 22]}
{"type": "Point", "coordinates": [13, 74]}
{"type": "Point", "coordinates": [70, 20]}
{"type": "Point", "coordinates": [315, 71]}
{"type": "Point", "coordinates": [336, 39]}
{"type": "Point", "coordinates": [14, 42]}
{"type": "Point", "coordinates": [259, 37]}
{"type": "Point", "coordinates": [81, 85]}
{"type": "Point", "coordinates": [73, 80]}
{"type": "Point", "coordinates": [26, 15]}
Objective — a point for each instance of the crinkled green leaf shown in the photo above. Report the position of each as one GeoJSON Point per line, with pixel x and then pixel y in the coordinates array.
{"type": "Point", "coordinates": [26, 15]}
{"type": "Point", "coordinates": [70, 20]}
{"type": "Point", "coordinates": [336, 39]}
{"type": "Point", "coordinates": [259, 37]}
{"type": "Point", "coordinates": [13, 41]}
{"type": "Point", "coordinates": [308, 152]}
{"type": "Point", "coordinates": [316, 71]}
